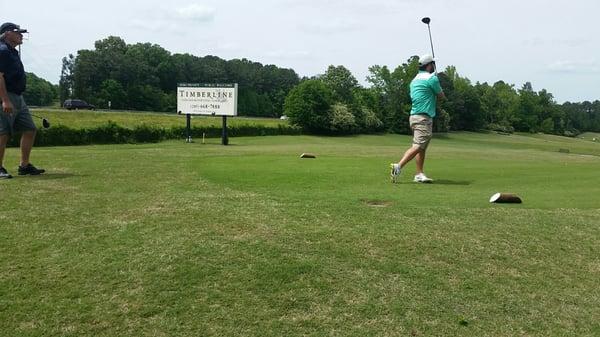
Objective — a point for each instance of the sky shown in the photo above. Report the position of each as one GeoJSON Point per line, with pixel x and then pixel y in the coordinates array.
{"type": "Point", "coordinates": [555, 44]}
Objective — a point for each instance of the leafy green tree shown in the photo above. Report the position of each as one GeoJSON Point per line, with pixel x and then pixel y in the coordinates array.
{"type": "Point", "coordinates": [342, 83]}
{"type": "Point", "coordinates": [508, 102]}
{"type": "Point", "coordinates": [342, 119]}
{"type": "Point", "coordinates": [145, 68]}
{"type": "Point", "coordinates": [581, 117]}
{"type": "Point", "coordinates": [463, 102]}
{"type": "Point", "coordinates": [248, 102]}
{"type": "Point", "coordinates": [552, 116]}
{"type": "Point", "coordinates": [66, 82]}
{"type": "Point", "coordinates": [144, 98]}
{"type": "Point", "coordinates": [499, 105]}
{"type": "Point", "coordinates": [488, 100]}
{"type": "Point", "coordinates": [308, 105]}
{"type": "Point", "coordinates": [393, 94]}
{"type": "Point", "coordinates": [277, 84]}
{"type": "Point", "coordinates": [144, 76]}
{"type": "Point", "coordinates": [265, 106]}
{"type": "Point", "coordinates": [112, 91]}
{"type": "Point", "coordinates": [547, 126]}
{"type": "Point", "coordinates": [595, 116]}
{"type": "Point", "coordinates": [363, 108]}
{"type": "Point", "coordinates": [39, 91]}
{"type": "Point", "coordinates": [85, 71]}
{"type": "Point", "coordinates": [577, 118]}
{"type": "Point", "coordinates": [529, 110]}
{"type": "Point", "coordinates": [441, 121]}
{"type": "Point", "coordinates": [140, 64]}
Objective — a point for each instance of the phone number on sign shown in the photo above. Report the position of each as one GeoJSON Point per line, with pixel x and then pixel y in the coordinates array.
{"type": "Point", "coordinates": [205, 106]}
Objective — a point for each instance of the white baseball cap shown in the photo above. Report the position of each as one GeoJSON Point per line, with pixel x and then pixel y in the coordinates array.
{"type": "Point", "coordinates": [425, 59]}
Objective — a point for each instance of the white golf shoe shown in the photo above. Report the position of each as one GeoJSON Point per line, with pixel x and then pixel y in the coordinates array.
{"type": "Point", "coordinates": [422, 178]}
{"type": "Point", "coordinates": [394, 172]}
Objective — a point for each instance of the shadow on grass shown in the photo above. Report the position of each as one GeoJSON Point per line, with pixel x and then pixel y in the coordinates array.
{"type": "Point", "coordinates": [452, 182]}
{"type": "Point", "coordinates": [439, 182]}
{"type": "Point", "coordinates": [51, 176]}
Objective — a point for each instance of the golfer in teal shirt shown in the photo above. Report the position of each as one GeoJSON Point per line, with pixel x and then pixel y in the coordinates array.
{"type": "Point", "coordinates": [425, 89]}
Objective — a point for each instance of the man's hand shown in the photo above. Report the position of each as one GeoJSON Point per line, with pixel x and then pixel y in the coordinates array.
{"type": "Point", "coordinates": [7, 106]}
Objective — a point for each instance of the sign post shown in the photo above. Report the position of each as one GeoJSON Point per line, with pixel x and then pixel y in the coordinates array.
{"type": "Point", "coordinates": [209, 100]}
{"type": "Point", "coordinates": [188, 128]}
{"type": "Point", "coordinates": [224, 138]}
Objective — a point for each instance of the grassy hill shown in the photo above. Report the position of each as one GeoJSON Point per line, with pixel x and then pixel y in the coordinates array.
{"type": "Point", "coordinates": [94, 127]}
{"type": "Point", "coordinates": [590, 136]}
{"type": "Point", "coordinates": [86, 119]}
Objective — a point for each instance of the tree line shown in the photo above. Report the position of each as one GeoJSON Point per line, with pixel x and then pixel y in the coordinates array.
{"type": "Point", "coordinates": [144, 77]}
{"type": "Point", "coordinates": [335, 103]}
{"type": "Point", "coordinates": [39, 91]}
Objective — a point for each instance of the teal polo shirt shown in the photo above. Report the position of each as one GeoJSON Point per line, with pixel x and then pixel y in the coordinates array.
{"type": "Point", "coordinates": [424, 89]}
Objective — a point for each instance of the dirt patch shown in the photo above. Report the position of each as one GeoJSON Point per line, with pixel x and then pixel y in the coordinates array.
{"type": "Point", "coordinates": [377, 203]}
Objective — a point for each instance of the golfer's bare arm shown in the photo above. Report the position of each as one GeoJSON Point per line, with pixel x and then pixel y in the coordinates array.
{"type": "Point", "coordinates": [441, 96]}
{"type": "Point", "coordinates": [6, 104]}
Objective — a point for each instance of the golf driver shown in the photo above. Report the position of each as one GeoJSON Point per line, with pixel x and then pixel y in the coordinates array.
{"type": "Point", "coordinates": [45, 122]}
{"type": "Point", "coordinates": [426, 21]}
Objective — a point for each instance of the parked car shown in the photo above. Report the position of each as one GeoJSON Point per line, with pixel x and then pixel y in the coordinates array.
{"type": "Point", "coordinates": [76, 104]}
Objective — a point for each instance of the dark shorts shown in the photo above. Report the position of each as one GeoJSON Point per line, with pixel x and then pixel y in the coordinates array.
{"type": "Point", "coordinates": [19, 120]}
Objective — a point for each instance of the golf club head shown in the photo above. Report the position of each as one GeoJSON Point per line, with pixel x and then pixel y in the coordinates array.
{"type": "Point", "coordinates": [426, 20]}
{"type": "Point", "coordinates": [45, 123]}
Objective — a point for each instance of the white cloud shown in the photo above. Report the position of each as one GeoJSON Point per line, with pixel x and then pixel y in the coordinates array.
{"type": "Point", "coordinates": [38, 55]}
{"type": "Point", "coordinates": [308, 35]}
{"type": "Point", "coordinates": [196, 12]}
{"type": "Point", "coordinates": [288, 54]}
{"type": "Point", "coordinates": [171, 20]}
{"type": "Point", "coordinates": [331, 27]}
{"type": "Point", "coordinates": [227, 47]}
{"type": "Point", "coordinates": [543, 42]}
{"type": "Point", "coordinates": [574, 66]}
{"type": "Point", "coordinates": [146, 25]}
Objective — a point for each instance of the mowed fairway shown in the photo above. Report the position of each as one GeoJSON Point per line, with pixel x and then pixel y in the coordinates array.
{"type": "Point", "coordinates": [176, 239]}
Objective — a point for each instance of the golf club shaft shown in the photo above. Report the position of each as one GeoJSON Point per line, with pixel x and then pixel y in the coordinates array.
{"type": "Point", "coordinates": [431, 42]}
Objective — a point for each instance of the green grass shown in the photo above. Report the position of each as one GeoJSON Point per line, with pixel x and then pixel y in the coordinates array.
{"type": "Point", "coordinates": [86, 119]}
{"type": "Point", "coordinates": [177, 239]}
{"type": "Point", "coordinates": [590, 136]}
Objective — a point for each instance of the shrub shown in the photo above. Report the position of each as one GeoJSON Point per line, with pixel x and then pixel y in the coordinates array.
{"type": "Point", "coordinates": [571, 133]}
{"type": "Point", "coordinates": [372, 123]}
{"type": "Point", "coordinates": [342, 120]}
{"type": "Point", "coordinates": [502, 127]}
{"type": "Point", "coordinates": [441, 121]}
{"type": "Point", "coordinates": [112, 133]}
{"type": "Point", "coordinates": [547, 125]}
{"type": "Point", "coordinates": [308, 106]}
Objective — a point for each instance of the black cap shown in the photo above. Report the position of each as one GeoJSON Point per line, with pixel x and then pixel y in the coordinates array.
{"type": "Point", "coordinates": [11, 27]}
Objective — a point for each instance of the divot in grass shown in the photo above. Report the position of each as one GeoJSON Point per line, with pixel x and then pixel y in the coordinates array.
{"type": "Point", "coordinates": [377, 203]}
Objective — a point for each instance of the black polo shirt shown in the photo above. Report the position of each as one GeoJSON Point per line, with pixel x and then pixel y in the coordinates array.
{"type": "Point", "coordinates": [12, 68]}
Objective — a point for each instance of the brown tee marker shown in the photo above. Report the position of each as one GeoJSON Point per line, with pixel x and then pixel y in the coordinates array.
{"type": "Point", "coordinates": [505, 198]}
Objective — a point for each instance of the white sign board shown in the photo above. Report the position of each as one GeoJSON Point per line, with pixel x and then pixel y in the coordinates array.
{"type": "Point", "coordinates": [207, 99]}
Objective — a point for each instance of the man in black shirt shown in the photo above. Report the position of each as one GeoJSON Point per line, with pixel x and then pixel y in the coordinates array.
{"type": "Point", "coordinates": [15, 114]}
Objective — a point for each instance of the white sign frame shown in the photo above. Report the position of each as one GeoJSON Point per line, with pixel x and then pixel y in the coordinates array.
{"type": "Point", "coordinates": [208, 99]}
